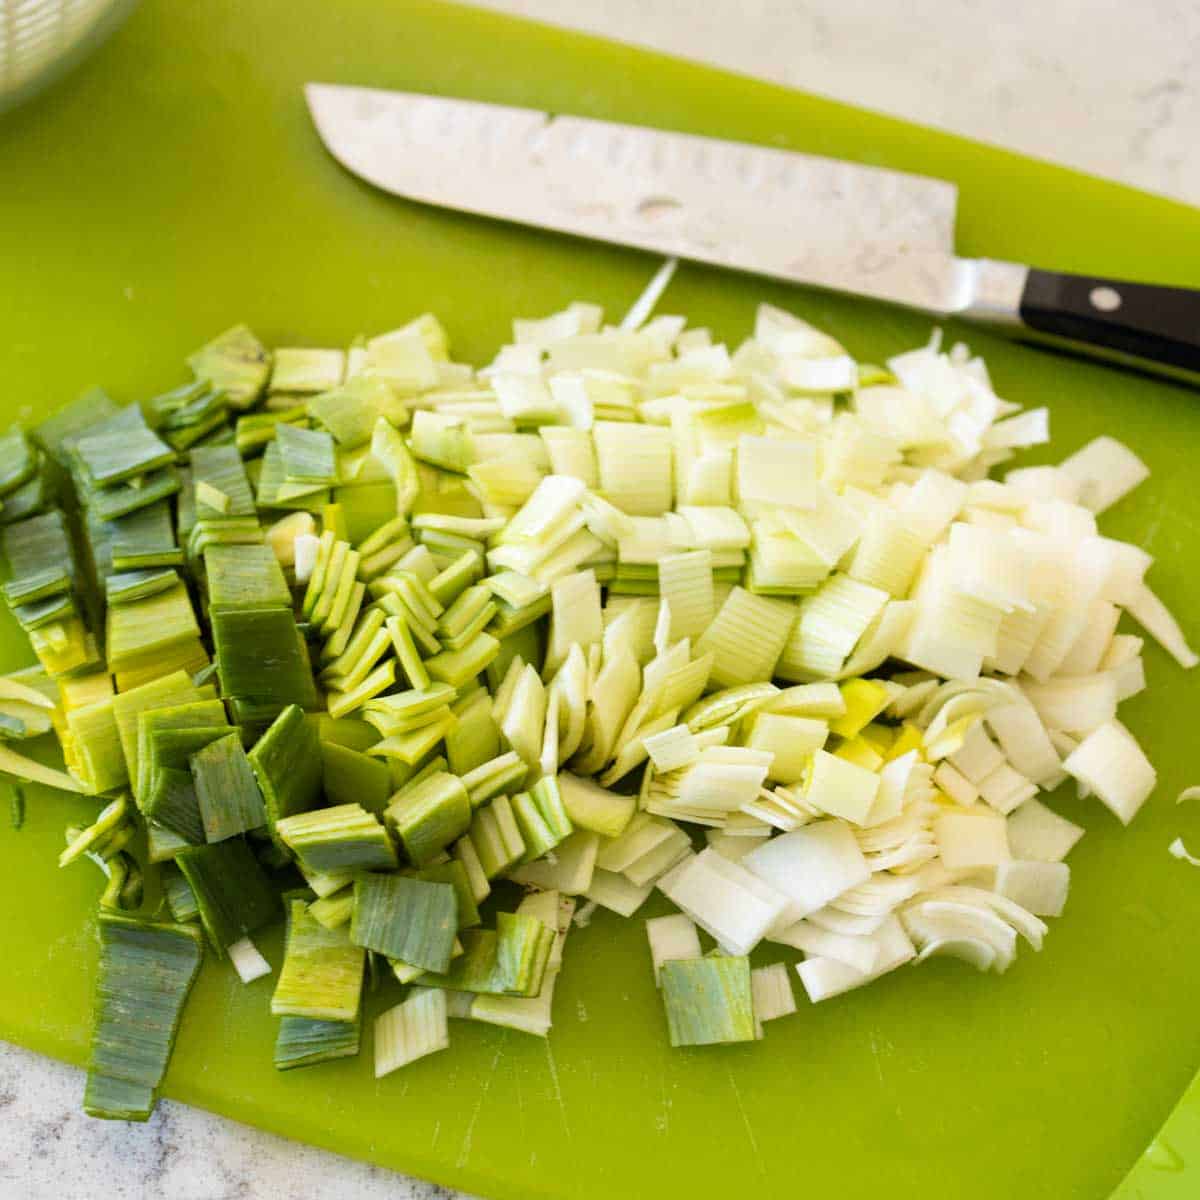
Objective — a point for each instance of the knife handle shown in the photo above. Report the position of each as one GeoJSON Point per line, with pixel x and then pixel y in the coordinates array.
{"type": "Point", "coordinates": [1141, 325]}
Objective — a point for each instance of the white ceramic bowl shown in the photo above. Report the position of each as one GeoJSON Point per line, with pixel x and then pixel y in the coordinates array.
{"type": "Point", "coordinates": [41, 38]}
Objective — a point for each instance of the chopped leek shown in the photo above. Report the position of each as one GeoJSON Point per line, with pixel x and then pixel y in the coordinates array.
{"type": "Point", "coordinates": [586, 567]}
{"type": "Point", "coordinates": [410, 1031]}
{"type": "Point", "coordinates": [286, 761]}
{"type": "Point", "coordinates": [708, 1000]}
{"type": "Point", "coordinates": [228, 794]}
{"type": "Point", "coordinates": [236, 363]}
{"type": "Point", "coordinates": [304, 1042]}
{"type": "Point", "coordinates": [322, 972]}
{"type": "Point", "coordinates": [336, 840]}
{"type": "Point", "coordinates": [413, 920]}
{"type": "Point", "coordinates": [146, 973]}
{"type": "Point", "coordinates": [428, 817]}
{"type": "Point", "coordinates": [234, 896]}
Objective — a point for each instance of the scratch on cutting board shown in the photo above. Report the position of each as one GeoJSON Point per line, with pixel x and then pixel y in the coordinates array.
{"type": "Point", "coordinates": [663, 1120]}
{"type": "Point", "coordinates": [737, 1097]}
{"type": "Point", "coordinates": [465, 1152]}
{"type": "Point", "coordinates": [875, 1058]}
{"type": "Point", "coordinates": [562, 1108]}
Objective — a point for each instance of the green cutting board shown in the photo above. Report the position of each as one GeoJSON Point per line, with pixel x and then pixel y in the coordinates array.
{"type": "Point", "coordinates": [173, 186]}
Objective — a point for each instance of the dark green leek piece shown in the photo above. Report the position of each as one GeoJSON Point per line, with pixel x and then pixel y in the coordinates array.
{"type": "Point", "coordinates": [336, 840]}
{"type": "Point", "coordinates": [303, 1042]}
{"type": "Point", "coordinates": [428, 817]}
{"type": "Point", "coordinates": [56, 433]}
{"type": "Point", "coordinates": [120, 449]}
{"type": "Point", "coordinates": [181, 900]}
{"type": "Point", "coordinates": [409, 919]}
{"type": "Point", "coordinates": [146, 972]}
{"type": "Point", "coordinates": [245, 576]}
{"type": "Point", "coordinates": [227, 531]}
{"type": "Point", "coordinates": [125, 587]}
{"type": "Point", "coordinates": [351, 776]}
{"type": "Point", "coordinates": [44, 612]}
{"type": "Point", "coordinates": [38, 545]}
{"type": "Point", "coordinates": [188, 414]}
{"type": "Point", "coordinates": [455, 874]}
{"type": "Point", "coordinates": [112, 502]}
{"type": "Point", "coordinates": [286, 760]}
{"type": "Point", "coordinates": [232, 891]}
{"type": "Point", "coordinates": [145, 538]}
{"type": "Point", "coordinates": [221, 468]}
{"type": "Point", "coordinates": [236, 363]}
{"type": "Point", "coordinates": [190, 715]}
{"type": "Point", "coordinates": [170, 690]}
{"type": "Point", "coordinates": [33, 496]}
{"type": "Point", "coordinates": [16, 807]}
{"type": "Point", "coordinates": [322, 972]}
{"type": "Point", "coordinates": [228, 794]}
{"type": "Point", "coordinates": [18, 460]}
{"type": "Point", "coordinates": [170, 798]}
{"type": "Point", "coordinates": [261, 657]}
{"type": "Point", "coordinates": [39, 585]}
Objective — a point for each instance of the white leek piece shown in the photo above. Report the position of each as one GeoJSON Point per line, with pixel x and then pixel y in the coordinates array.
{"type": "Point", "coordinates": [841, 788]}
{"type": "Point", "coordinates": [790, 740]}
{"type": "Point", "coordinates": [1037, 833]}
{"type": "Point", "coordinates": [1110, 763]}
{"type": "Point", "coordinates": [1155, 618]}
{"type": "Point", "coordinates": [634, 463]}
{"type": "Point", "coordinates": [672, 937]}
{"type": "Point", "coordinates": [733, 905]}
{"type": "Point", "coordinates": [411, 1030]}
{"type": "Point", "coordinates": [575, 616]}
{"type": "Point", "coordinates": [776, 472]}
{"type": "Point", "coordinates": [568, 868]}
{"type": "Point", "coordinates": [825, 977]}
{"type": "Point", "coordinates": [685, 584]}
{"type": "Point", "coordinates": [1040, 887]}
{"type": "Point", "coordinates": [861, 953]}
{"type": "Point", "coordinates": [971, 839]}
{"type": "Point", "coordinates": [672, 748]}
{"type": "Point", "coordinates": [247, 961]}
{"type": "Point", "coordinates": [771, 988]}
{"type": "Point", "coordinates": [811, 866]}
{"type": "Point", "coordinates": [615, 892]}
{"type": "Point", "coordinates": [1105, 470]}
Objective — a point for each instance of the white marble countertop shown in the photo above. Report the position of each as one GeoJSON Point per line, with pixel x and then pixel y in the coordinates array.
{"type": "Point", "coordinates": [1102, 85]}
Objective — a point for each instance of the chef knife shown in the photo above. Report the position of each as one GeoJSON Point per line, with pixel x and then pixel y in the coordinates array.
{"type": "Point", "coordinates": [883, 234]}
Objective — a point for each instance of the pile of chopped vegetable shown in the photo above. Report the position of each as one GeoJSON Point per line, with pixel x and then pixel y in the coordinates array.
{"type": "Point", "coordinates": [354, 636]}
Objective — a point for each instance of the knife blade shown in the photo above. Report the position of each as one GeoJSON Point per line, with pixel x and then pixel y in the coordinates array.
{"type": "Point", "coordinates": [822, 222]}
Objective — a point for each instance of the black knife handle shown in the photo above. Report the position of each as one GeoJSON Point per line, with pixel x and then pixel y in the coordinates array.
{"type": "Point", "coordinates": [1142, 324]}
